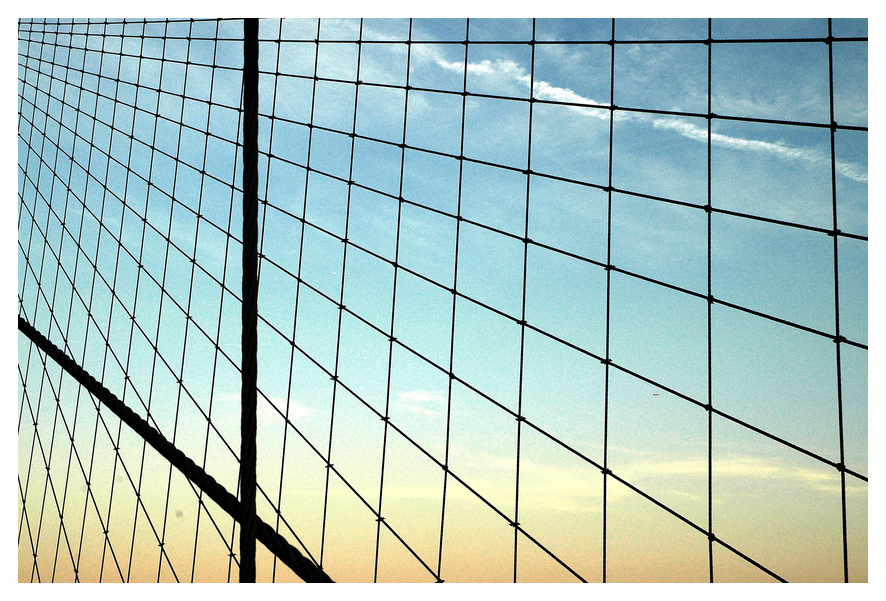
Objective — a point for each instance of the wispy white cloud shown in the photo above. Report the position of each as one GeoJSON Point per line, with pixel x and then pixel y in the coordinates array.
{"type": "Point", "coordinates": [747, 467]}
{"type": "Point", "coordinates": [423, 402]}
{"type": "Point", "coordinates": [226, 411]}
{"type": "Point", "coordinates": [340, 29]}
{"type": "Point", "coordinates": [778, 149]}
{"type": "Point", "coordinates": [559, 488]}
{"type": "Point", "coordinates": [510, 71]}
{"type": "Point", "coordinates": [548, 486]}
{"type": "Point", "coordinates": [295, 412]}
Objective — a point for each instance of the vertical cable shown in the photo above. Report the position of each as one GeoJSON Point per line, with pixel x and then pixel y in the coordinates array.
{"type": "Point", "coordinates": [72, 453]}
{"type": "Point", "coordinates": [299, 280]}
{"type": "Point", "coordinates": [116, 442]}
{"type": "Point", "coordinates": [107, 546]}
{"type": "Point", "coordinates": [23, 491]}
{"type": "Point", "coordinates": [156, 344]}
{"type": "Point", "coordinates": [391, 338]}
{"type": "Point", "coordinates": [39, 155]}
{"type": "Point", "coordinates": [61, 530]}
{"type": "Point", "coordinates": [301, 242]}
{"type": "Point", "coordinates": [35, 416]}
{"type": "Point", "coordinates": [458, 220]}
{"type": "Point", "coordinates": [838, 338]}
{"type": "Point", "coordinates": [522, 322]}
{"type": "Point", "coordinates": [127, 384]}
{"type": "Point", "coordinates": [180, 387]}
{"type": "Point", "coordinates": [167, 238]}
{"type": "Point", "coordinates": [606, 360]}
{"type": "Point", "coordinates": [250, 299]}
{"type": "Point", "coordinates": [90, 317]}
{"type": "Point", "coordinates": [232, 557]}
{"type": "Point", "coordinates": [47, 482]}
{"type": "Point", "coordinates": [142, 255]}
{"type": "Point", "coordinates": [32, 539]}
{"type": "Point", "coordinates": [132, 326]}
{"type": "Point", "coordinates": [710, 303]}
{"type": "Point", "coordinates": [214, 373]}
{"type": "Point", "coordinates": [276, 76]}
{"type": "Point", "coordinates": [193, 267]}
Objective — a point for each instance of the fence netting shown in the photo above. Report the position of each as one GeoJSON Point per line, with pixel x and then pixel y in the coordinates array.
{"type": "Point", "coordinates": [539, 300]}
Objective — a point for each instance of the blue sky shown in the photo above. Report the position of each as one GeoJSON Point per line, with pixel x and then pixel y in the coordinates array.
{"type": "Point", "coordinates": [773, 376]}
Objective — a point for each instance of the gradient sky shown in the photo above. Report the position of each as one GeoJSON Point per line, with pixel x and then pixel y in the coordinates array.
{"type": "Point", "coordinates": [772, 503]}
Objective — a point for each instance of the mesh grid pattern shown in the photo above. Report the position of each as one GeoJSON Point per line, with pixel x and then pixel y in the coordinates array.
{"type": "Point", "coordinates": [518, 281]}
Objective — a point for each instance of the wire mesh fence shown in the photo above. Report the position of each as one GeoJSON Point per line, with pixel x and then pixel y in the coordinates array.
{"type": "Point", "coordinates": [539, 300]}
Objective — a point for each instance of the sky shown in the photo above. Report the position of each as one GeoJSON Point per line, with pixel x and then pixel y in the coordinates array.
{"type": "Point", "coordinates": [642, 418]}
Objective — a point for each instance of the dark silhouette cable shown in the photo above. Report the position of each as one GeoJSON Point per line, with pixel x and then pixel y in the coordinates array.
{"type": "Point", "coordinates": [264, 533]}
{"type": "Point", "coordinates": [76, 101]}
{"type": "Point", "coordinates": [250, 299]}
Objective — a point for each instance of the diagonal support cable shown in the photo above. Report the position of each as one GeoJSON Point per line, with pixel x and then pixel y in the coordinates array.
{"type": "Point", "coordinates": [264, 533]}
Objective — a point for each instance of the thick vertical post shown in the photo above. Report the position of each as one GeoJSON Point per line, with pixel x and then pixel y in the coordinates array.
{"type": "Point", "coordinates": [250, 299]}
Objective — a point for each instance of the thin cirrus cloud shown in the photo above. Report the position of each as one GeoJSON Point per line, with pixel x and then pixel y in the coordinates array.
{"type": "Point", "coordinates": [510, 72]}
{"type": "Point", "coordinates": [782, 151]}
{"type": "Point", "coordinates": [550, 486]}
{"type": "Point", "coordinates": [423, 402]}
{"type": "Point", "coordinates": [270, 411]}
{"type": "Point", "coordinates": [749, 467]}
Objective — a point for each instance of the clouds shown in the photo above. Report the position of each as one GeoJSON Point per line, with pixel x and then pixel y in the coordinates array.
{"type": "Point", "coordinates": [779, 150]}
{"type": "Point", "coordinates": [502, 225]}
{"type": "Point", "coordinates": [740, 471]}
{"type": "Point", "coordinates": [565, 141]}
{"type": "Point", "coordinates": [270, 412]}
{"type": "Point", "coordinates": [512, 78]}
{"type": "Point", "coordinates": [545, 91]}
{"type": "Point", "coordinates": [422, 402]}
{"type": "Point", "coordinates": [550, 486]}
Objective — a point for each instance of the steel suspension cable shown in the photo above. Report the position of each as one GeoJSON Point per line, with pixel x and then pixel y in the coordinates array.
{"type": "Point", "coordinates": [838, 338]}
{"type": "Point", "coordinates": [250, 300]}
{"type": "Point", "coordinates": [449, 372]}
{"type": "Point", "coordinates": [228, 502]}
{"type": "Point", "coordinates": [607, 360]}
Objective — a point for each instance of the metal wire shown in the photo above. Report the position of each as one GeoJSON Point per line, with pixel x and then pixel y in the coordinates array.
{"type": "Point", "coordinates": [106, 236]}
